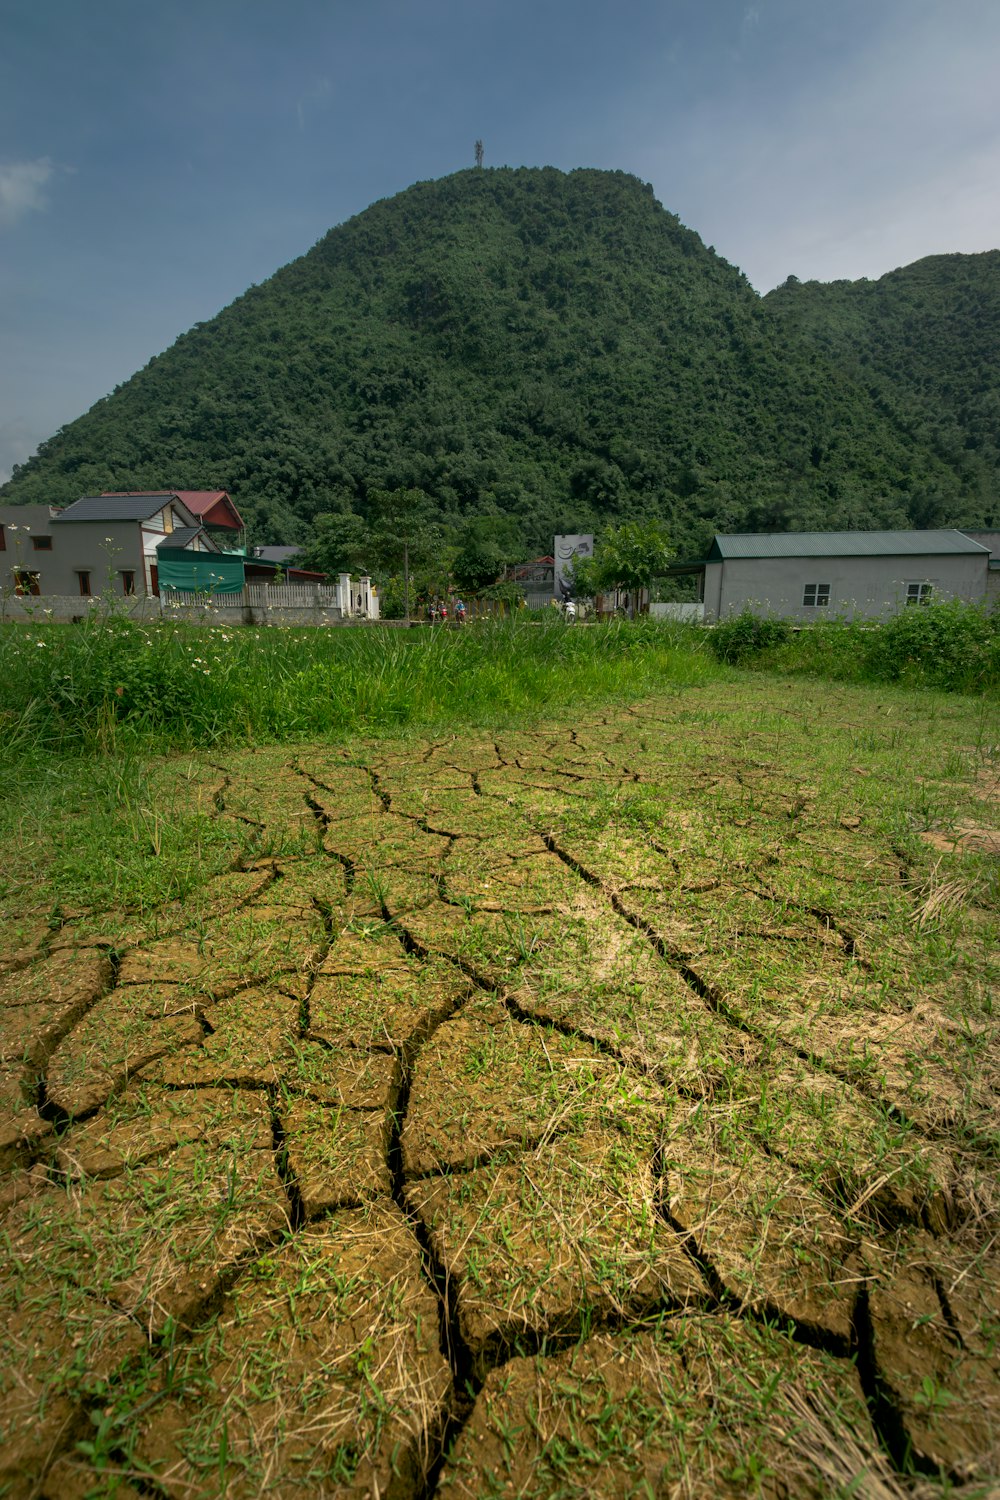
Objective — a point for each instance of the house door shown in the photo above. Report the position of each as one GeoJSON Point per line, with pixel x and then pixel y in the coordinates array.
{"type": "Point", "coordinates": [154, 578]}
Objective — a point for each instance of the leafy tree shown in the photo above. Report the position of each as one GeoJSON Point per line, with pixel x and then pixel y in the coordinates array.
{"type": "Point", "coordinates": [627, 557]}
{"type": "Point", "coordinates": [340, 543]}
{"type": "Point", "coordinates": [486, 546]}
{"type": "Point", "coordinates": [404, 530]}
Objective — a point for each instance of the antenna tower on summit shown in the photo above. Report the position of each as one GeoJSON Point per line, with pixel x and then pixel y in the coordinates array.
{"type": "Point", "coordinates": [479, 153]}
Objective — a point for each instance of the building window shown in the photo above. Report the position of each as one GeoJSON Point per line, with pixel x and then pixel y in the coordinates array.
{"type": "Point", "coordinates": [815, 594]}
{"type": "Point", "coordinates": [919, 593]}
{"type": "Point", "coordinates": [84, 581]}
{"type": "Point", "coordinates": [26, 581]}
{"type": "Point", "coordinates": [128, 581]}
{"type": "Point", "coordinates": [42, 543]}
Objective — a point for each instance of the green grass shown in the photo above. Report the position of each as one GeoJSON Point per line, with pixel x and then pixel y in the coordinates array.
{"type": "Point", "coordinates": [112, 683]}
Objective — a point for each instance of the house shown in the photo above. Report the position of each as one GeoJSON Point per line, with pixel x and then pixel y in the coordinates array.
{"type": "Point", "coordinates": [97, 543]}
{"type": "Point", "coordinates": [861, 574]}
{"type": "Point", "coordinates": [213, 509]}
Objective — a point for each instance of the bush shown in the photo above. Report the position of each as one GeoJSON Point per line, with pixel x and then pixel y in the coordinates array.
{"type": "Point", "coordinates": [952, 645]}
{"type": "Point", "coordinates": [744, 636]}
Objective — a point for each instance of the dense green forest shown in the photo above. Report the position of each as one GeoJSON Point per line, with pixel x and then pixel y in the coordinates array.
{"type": "Point", "coordinates": [558, 350]}
{"type": "Point", "coordinates": [924, 341]}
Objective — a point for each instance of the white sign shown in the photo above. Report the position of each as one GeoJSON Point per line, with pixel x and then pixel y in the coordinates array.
{"type": "Point", "coordinates": [566, 549]}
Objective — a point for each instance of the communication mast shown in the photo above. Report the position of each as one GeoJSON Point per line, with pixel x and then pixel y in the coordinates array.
{"type": "Point", "coordinates": [479, 153]}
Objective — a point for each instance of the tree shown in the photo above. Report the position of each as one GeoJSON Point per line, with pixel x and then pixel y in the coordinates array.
{"type": "Point", "coordinates": [404, 529]}
{"type": "Point", "coordinates": [486, 546]}
{"type": "Point", "coordinates": [629, 557]}
{"type": "Point", "coordinates": [340, 543]}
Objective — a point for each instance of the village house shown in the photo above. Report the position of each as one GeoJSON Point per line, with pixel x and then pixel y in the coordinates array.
{"type": "Point", "coordinates": [98, 543]}
{"type": "Point", "coordinates": [813, 575]}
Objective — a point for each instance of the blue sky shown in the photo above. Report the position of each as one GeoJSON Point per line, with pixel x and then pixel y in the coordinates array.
{"type": "Point", "coordinates": [158, 156]}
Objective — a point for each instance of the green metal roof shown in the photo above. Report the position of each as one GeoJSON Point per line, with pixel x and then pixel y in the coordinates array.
{"type": "Point", "coordinates": [843, 544]}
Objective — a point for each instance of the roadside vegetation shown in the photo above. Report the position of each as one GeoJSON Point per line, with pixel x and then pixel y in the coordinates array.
{"type": "Point", "coordinates": [115, 684]}
{"type": "Point", "coordinates": [952, 646]}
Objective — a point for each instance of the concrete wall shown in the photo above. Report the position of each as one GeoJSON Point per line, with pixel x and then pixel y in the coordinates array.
{"type": "Point", "coordinates": [689, 611]}
{"type": "Point", "coordinates": [860, 587]}
{"type": "Point", "coordinates": [66, 608]}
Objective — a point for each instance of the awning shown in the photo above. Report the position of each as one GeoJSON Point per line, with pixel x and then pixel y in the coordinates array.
{"type": "Point", "coordinates": [198, 572]}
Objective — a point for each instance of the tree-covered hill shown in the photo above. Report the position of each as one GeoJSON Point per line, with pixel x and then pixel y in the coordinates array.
{"type": "Point", "coordinates": [925, 342]}
{"type": "Point", "coordinates": [552, 347]}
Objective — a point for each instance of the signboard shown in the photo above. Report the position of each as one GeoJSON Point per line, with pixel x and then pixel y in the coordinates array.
{"type": "Point", "coordinates": [565, 550]}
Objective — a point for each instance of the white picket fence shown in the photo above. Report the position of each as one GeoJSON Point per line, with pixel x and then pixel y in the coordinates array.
{"type": "Point", "coordinates": [288, 595]}
{"type": "Point", "coordinates": [258, 596]}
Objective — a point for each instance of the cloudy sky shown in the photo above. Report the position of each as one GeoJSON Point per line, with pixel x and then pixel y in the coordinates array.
{"type": "Point", "coordinates": [158, 156]}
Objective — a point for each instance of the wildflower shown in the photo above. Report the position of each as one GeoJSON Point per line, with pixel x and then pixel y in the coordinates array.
{"type": "Point", "coordinates": [119, 691]}
{"type": "Point", "coordinates": [39, 643]}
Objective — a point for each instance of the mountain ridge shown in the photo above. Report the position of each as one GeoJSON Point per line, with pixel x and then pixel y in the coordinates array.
{"type": "Point", "coordinates": [557, 348]}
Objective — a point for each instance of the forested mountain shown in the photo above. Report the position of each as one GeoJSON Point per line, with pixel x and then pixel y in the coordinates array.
{"type": "Point", "coordinates": [560, 349]}
{"type": "Point", "coordinates": [924, 341]}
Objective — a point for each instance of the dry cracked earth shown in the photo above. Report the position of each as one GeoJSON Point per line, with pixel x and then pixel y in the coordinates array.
{"type": "Point", "coordinates": [566, 1113]}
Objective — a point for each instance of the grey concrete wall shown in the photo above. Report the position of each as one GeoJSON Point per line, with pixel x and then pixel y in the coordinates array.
{"type": "Point", "coordinates": [712, 590]}
{"type": "Point", "coordinates": [860, 587]}
{"type": "Point", "coordinates": [61, 608]}
{"type": "Point", "coordinates": [40, 610]}
{"type": "Point", "coordinates": [101, 548]}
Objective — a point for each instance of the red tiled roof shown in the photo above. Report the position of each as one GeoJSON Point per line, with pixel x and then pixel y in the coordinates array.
{"type": "Point", "coordinates": [201, 500]}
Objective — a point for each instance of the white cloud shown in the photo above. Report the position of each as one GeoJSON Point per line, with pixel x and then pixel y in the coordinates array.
{"type": "Point", "coordinates": [22, 189]}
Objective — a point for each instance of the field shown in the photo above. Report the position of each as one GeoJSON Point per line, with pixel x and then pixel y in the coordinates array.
{"type": "Point", "coordinates": [603, 1107]}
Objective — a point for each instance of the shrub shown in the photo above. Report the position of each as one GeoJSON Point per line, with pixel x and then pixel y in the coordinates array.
{"type": "Point", "coordinates": [951, 645]}
{"type": "Point", "coordinates": [746, 635]}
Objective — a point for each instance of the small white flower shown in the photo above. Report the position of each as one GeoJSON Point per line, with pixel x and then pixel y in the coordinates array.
{"type": "Point", "coordinates": [40, 643]}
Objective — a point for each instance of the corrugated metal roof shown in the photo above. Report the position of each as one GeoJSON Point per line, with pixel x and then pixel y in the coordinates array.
{"type": "Point", "coordinates": [843, 544]}
{"type": "Point", "coordinates": [115, 508]}
{"type": "Point", "coordinates": [276, 554]}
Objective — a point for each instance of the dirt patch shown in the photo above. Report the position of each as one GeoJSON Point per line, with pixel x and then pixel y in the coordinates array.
{"type": "Point", "coordinates": [972, 838]}
{"type": "Point", "coordinates": [700, 1407]}
{"type": "Point", "coordinates": [620, 1070]}
{"type": "Point", "coordinates": [934, 1329]}
{"type": "Point", "coordinates": [322, 1374]}
{"type": "Point", "coordinates": [564, 1234]}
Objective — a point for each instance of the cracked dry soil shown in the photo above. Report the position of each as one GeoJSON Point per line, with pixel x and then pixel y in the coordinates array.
{"type": "Point", "coordinates": [487, 1135]}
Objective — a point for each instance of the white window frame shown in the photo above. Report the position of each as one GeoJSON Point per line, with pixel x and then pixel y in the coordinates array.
{"type": "Point", "coordinates": [820, 595]}
{"type": "Point", "coordinates": [919, 592]}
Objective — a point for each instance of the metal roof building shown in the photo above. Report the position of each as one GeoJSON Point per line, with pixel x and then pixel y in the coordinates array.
{"type": "Point", "coordinates": [811, 575]}
{"type": "Point", "coordinates": [845, 544]}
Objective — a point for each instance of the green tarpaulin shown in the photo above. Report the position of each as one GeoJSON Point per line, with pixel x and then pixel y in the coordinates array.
{"type": "Point", "coordinates": [198, 572]}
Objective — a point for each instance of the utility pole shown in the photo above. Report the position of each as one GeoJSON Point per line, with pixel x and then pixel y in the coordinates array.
{"type": "Point", "coordinates": [479, 153]}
